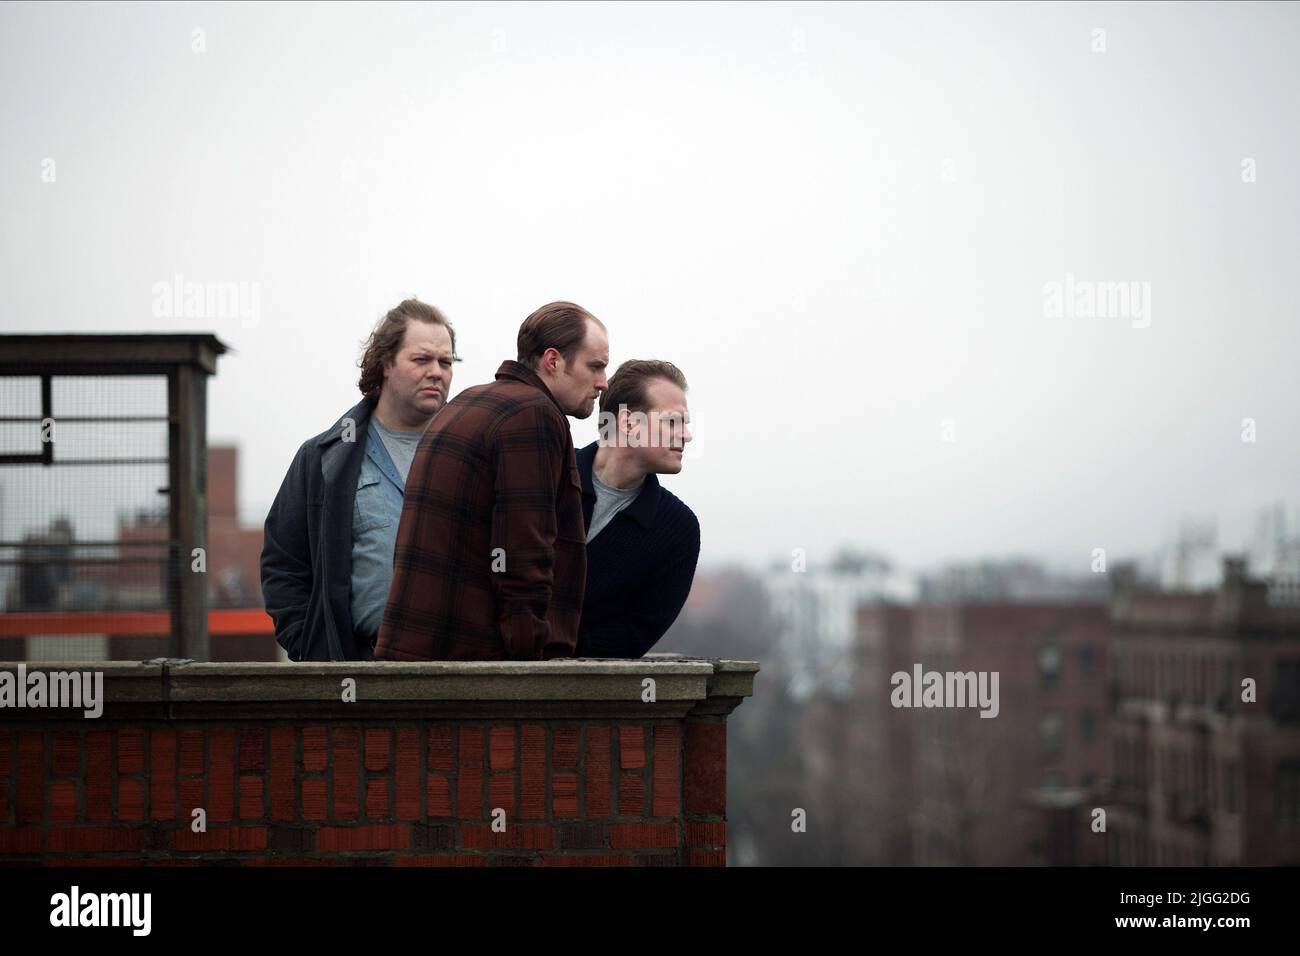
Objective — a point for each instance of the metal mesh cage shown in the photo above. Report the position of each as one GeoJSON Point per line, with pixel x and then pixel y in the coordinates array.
{"type": "Point", "coordinates": [102, 495]}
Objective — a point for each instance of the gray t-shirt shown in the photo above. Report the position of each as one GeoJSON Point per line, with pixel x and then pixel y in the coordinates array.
{"type": "Point", "coordinates": [401, 447]}
{"type": "Point", "coordinates": [609, 502]}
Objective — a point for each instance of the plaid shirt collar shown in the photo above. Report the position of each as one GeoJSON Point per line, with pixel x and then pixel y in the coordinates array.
{"type": "Point", "coordinates": [522, 373]}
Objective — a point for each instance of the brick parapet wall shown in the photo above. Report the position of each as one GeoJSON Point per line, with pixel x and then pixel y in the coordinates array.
{"type": "Point", "coordinates": [573, 764]}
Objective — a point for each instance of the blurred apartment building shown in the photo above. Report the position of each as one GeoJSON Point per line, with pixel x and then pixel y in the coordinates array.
{"type": "Point", "coordinates": [1090, 717]}
{"type": "Point", "coordinates": [1116, 693]}
{"type": "Point", "coordinates": [895, 786]}
{"type": "Point", "coordinates": [998, 791]}
{"type": "Point", "coordinates": [1132, 707]}
{"type": "Point", "coordinates": [947, 787]}
{"type": "Point", "coordinates": [1201, 776]}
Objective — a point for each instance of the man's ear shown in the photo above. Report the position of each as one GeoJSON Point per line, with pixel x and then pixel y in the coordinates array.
{"type": "Point", "coordinates": [628, 420]}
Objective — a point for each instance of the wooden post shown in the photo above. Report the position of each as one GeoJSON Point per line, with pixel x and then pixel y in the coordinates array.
{"type": "Point", "coordinates": [188, 509]}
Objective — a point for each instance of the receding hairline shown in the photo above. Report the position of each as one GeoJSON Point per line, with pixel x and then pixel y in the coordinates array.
{"type": "Point", "coordinates": [583, 343]}
{"type": "Point", "coordinates": [587, 333]}
{"type": "Point", "coordinates": [654, 379]}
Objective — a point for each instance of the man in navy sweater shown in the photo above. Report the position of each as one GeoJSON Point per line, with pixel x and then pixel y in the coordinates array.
{"type": "Point", "coordinates": [643, 542]}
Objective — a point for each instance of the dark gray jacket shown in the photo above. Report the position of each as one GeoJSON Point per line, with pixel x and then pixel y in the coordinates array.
{"type": "Point", "coordinates": [307, 547]}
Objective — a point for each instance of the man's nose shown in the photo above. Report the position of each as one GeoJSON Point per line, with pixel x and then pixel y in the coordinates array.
{"type": "Point", "coordinates": [686, 434]}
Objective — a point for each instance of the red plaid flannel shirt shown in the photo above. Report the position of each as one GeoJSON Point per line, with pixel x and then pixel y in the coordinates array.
{"type": "Point", "coordinates": [491, 558]}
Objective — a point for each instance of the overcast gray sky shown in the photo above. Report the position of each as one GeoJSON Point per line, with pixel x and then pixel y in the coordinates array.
{"type": "Point", "coordinates": [839, 220]}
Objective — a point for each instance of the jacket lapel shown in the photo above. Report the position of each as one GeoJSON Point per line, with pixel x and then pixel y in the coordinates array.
{"type": "Point", "coordinates": [340, 464]}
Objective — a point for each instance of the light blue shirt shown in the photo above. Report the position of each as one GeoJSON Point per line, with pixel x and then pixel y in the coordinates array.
{"type": "Point", "coordinates": [375, 516]}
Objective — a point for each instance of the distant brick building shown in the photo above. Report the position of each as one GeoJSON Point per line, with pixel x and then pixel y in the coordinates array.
{"type": "Point", "coordinates": [234, 551]}
{"type": "Point", "coordinates": [1203, 777]}
{"type": "Point", "coordinates": [945, 786]}
{"type": "Point", "coordinates": [879, 768]}
{"type": "Point", "coordinates": [988, 789]}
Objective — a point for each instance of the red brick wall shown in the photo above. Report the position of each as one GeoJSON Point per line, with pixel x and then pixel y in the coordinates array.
{"type": "Point", "coordinates": [405, 793]}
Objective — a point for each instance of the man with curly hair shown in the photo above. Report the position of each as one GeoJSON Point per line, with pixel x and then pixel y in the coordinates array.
{"type": "Point", "coordinates": [327, 556]}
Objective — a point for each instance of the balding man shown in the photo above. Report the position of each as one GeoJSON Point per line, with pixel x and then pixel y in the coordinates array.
{"type": "Point", "coordinates": [490, 561]}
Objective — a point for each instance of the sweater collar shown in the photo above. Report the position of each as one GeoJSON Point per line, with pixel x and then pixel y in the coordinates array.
{"type": "Point", "coordinates": [522, 373]}
{"type": "Point", "coordinates": [646, 504]}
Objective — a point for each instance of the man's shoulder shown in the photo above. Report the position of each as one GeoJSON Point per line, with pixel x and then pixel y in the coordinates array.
{"type": "Point", "coordinates": [355, 418]}
{"type": "Point", "coordinates": [351, 425]}
{"type": "Point", "coordinates": [677, 514]}
{"type": "Point", "coordinates": [503, 396]}
{"type": "Point", "coordinates": [505, 400]}
{"type": "Point", "coordinates": [478, 416]}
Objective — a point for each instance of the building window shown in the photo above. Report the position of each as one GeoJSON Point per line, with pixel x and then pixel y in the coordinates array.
{"type": "Point", "coordinates": [1049, 665]}
{"type": "Point", "coordinates": [1087, 726]}
{"type": "Point", "coordinates": [1200, 774]}
{"type": "Point", "coordinates": [1049, 731]}
{"type": "Point", "coordinates": [1286, 698]}
{"type": "Point", "coordinates": [1288, 792]}
{"type": "Point", "coordinates": [1088, 660]}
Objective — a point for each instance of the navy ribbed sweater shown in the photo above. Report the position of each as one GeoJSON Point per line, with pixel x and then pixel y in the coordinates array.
{"type": "Point", "coordinates": [639, 568]}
